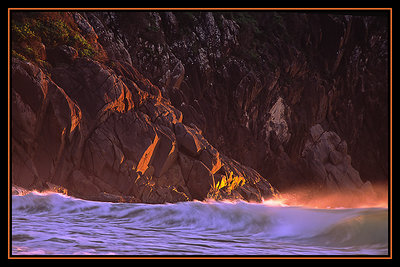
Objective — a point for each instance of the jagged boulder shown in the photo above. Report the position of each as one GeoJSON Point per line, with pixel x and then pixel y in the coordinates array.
{"type": "Point", "coordinates": [188, 140]}
{"type": "Point", "coordinates": [200, 180]}
{"type": "Point", "coordinates": [328, 161]}
{"type": "Point", "coordinates": [167, 152]}
{"type": "Point", "coordinates": [211, 158]}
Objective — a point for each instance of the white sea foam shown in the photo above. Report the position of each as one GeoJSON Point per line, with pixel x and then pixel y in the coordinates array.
{"type": "Point", "coordinates": [57, 224]}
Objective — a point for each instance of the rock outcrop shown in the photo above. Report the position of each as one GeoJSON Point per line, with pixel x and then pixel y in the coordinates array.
{"type": "Point", "coordinates": [326, 155]}
{"type": "Point", "coordinates": [105, 132]}
{"type": "Point", "coordinates": [102, 139]}
{"type": "Point", "coordinates": [255, 83]}
{"type": "Point", "coordinates": [174, 106]}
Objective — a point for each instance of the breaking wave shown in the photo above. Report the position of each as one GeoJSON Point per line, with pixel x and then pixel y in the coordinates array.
{"type": "Point", "coordinates": [41, 221]}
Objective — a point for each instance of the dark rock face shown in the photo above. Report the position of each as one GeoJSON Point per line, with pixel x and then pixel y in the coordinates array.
{"type": "Point", "coordinates": [171, 102]}
{"type": "Point", "coordinates": [256, 82]}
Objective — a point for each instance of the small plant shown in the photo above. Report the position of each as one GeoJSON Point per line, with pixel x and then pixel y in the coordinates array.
{"type": "Point", "coordinates": [53, 32]}
{"type": "Point", "coordinates": [230, 182]}
{"type": "Point", "coordinates": [22, 32]}
{"type": "Point", "coordinates": [226, 185]}
{"type": "Point", "coordinates": [18, 55]}
{"type": "Point", "coordinates": [84, 48]}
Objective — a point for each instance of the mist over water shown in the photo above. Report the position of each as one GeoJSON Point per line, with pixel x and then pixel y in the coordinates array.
{"type": "Point", "coordinates": [55, 224]}
{"type": "Point", "coordinates": [310, 197]}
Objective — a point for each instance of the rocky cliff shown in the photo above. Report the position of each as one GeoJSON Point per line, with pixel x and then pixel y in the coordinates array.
{"type": "Point", "coordinates": [175, 106]}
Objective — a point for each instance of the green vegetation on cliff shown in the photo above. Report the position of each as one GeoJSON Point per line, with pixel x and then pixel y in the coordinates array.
{"type": "Point", "coordinates": [30, 35]}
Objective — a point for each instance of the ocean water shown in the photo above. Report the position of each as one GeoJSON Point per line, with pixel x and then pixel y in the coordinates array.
{"type": "Point", "coordinates": [56, 224]}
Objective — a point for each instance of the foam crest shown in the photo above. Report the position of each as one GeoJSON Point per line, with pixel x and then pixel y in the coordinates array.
{"type": "Point", "coordinates": [272, 220]}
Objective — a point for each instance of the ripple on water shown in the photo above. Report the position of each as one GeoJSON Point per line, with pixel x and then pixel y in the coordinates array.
{"type": "Point", "coordinates": [22, 237]}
